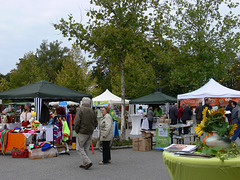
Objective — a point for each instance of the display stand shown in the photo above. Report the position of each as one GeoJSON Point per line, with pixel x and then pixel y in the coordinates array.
{"type": "Point", "coordinates": [64, 148]}
{"type": "Point", "coordinates": [136, 124]}
{"type": "Point", "coordinates": [162, 136]}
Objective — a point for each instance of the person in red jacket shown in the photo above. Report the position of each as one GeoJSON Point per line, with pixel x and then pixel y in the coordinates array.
{"type": "Point", "coordinates": [180, 111]}
{"type": "Point", "coordinates": [60, 110]}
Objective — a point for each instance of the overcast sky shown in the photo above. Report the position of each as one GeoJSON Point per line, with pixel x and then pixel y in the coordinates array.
{"type": "Point", "coordinates": [25, 23]}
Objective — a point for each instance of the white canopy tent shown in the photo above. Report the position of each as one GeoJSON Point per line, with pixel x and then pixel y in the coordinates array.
{"type": "Point", "coordinates": [108, 98]}
{"type": "Point", "coordinates": [211, 89]}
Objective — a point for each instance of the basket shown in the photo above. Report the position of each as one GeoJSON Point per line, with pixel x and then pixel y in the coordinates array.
{"type": "Point", "coordinates": [20, 154]}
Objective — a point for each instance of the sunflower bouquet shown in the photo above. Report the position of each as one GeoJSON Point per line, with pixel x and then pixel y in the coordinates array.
{"type": "Point", "coordinates": [214, 120]}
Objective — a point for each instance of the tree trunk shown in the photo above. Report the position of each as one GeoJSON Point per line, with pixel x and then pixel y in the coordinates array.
{"type": "Point", "coordinates": [123, 130]}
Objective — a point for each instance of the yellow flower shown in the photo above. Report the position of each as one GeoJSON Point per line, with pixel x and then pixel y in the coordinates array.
{"type": "Point", "coordinates": [232, 130]}
{"type": "Point", "coordinates": [218, 111]}
{"type": "Point", "coordinates": [204, 113]}
{"type": "Point", "coordinates": [199, 130]}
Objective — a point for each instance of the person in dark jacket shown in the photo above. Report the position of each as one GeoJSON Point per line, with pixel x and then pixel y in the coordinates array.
{"type": "Point", "coordinates": [229, 108]}
{"type": "Point", "coordinates": [150, 116]}
{"type": "Point", "coordinates": [173, 114]}
{"type": "Point", "coordinates": [236, 119]}
{"type": "Point", "coordinates": [198, 112]}
{"type": "Point", "coordinates": [85, 122]}
{"type": "Point", "coordinates": [187, 113]}
{"type": "Point", "coordinates": [207, 102]}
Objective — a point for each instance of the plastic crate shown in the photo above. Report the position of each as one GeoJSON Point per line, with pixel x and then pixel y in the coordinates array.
{"type": "Point", "coordinates": [20, 154]}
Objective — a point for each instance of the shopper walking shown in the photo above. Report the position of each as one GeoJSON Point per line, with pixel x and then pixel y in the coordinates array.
{"type": "Point", "coordinates": [85, 122]}
{"type": "Point", "coordinates": [106, 134]}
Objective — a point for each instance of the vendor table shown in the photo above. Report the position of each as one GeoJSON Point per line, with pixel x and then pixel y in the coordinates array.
{"type": "Point", "coordinates": [17, 140]}
{"type": "Point", "coordinates": [187, 168]}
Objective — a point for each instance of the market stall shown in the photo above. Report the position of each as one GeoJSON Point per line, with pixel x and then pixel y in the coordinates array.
{"type": "Point", "coordinates": [219, 94]}
{"type": "Point", "coordinates": [155, 98]}
{"type": "Point", "coordinates": [109, 99]}
{"type": "Point", "coordinates": [41, 92]}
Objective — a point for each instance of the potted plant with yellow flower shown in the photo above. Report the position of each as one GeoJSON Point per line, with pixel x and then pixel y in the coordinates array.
{"type": "Point", "coordinates": [214, 122]}
{"type": "Point", "coordinates": [219, 143]}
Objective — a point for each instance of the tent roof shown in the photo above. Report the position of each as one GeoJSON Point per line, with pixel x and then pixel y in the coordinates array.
{"type": "Point", "coordinates": [110, 97]}
{"type": "Point", "coordinates": [210, 89]}
{"type": "Point", "coordinates": [154, 98]}
{"type": "Point", "coordinates": [45, 90]}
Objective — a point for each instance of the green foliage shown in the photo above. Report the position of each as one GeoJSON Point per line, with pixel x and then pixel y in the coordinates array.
{"type": "Point", "coordinates": [220, 152]}
{"type": "Point", "coordinates": [27, 71]}
{"type": "Point", "coordinates": [4, 84]}
{"type": "Point", "coordinates": [206, 41]}
{"type": "Point", "coordinates": [74, 73]}
{"type": "Point", "coordinates": [122, 142]}
{"type": "Point", "coordinates": [140, 79]}
{"type": "Point", "coordinates": [50, 57]}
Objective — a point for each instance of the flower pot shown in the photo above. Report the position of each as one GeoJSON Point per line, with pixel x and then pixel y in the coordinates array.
{"type": "Point", "coordinates": [216, 140]}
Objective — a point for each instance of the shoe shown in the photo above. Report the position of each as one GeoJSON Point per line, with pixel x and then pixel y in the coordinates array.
{"type": "Point", "coordinates": [82, 166]}
{"type": "Point", "coordinates": [101, 163]}
{"type": "Point", "coordinates": [88, 166]}
{"type": "Point", "coordinates": [109, 161]}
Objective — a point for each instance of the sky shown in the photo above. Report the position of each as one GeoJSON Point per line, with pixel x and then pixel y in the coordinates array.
{"type": "Point", "coordinates": [24, 24]}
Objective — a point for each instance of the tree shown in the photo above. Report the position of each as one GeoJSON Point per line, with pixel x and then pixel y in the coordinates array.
{"type": "Point", "coordinates": [206, 39]}
{"type": "Point", "coordinates": [4, 85]}
{"type": "Point", "coordinates": [27, 71]}
{"type": "Point", "coordinates": [140, 78]}
{"type": "Point", "coordinates": [75, 73]}
{"type": "Point", "coordinates": [42, 65]}
{"type": "Point", "coordinates": [117, 29]}
{"type": "Point", "coordinates": [50, 58]}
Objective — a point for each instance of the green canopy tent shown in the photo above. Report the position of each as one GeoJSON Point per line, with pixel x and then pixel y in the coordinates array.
{"type": "Point", "coordinates": [154, 98]}
{"type": "Point", "coordinates": [42, 90]}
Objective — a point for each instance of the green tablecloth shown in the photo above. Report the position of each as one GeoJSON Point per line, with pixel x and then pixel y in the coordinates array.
{"type": "Point", "coordinates": [186, 168]}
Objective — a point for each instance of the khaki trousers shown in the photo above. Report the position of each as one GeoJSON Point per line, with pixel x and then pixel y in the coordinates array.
{"type": "Point", "coordinates": [84, 142]}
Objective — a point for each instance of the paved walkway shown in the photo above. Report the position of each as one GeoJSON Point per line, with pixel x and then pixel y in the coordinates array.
{"type": "Point", "coordinates": [126, 165]}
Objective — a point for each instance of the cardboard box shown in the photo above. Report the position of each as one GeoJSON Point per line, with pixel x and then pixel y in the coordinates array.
{"type": "Point", "coordinates": [135, 142]}
{"type": "Point", "coordinates": [39, 154]}
{"type": "Point", "coordinates": [146, 134]}
{"type": "Point", "coordinates": [60, 147]}
{"type": "Point", "coordinates": [144, 144]}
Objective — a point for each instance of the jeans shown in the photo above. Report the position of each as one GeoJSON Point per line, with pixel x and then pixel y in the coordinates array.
{"type": "Point", "coordinates": [236, 132]}
{"type": "Point", "coordinates": [84, 142]}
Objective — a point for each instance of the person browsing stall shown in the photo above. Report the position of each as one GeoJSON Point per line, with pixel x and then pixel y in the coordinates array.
{"type": "Point", "coordinates": [158, 111]}
{"type": "Point", "coordinates": [140, 111]}
{"type": "Point", "coordinates": [26, 117]}
{"type": "Point", "coordinates": [150, 115]}
{"type": "Point", "coordinates": [106, 135]}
